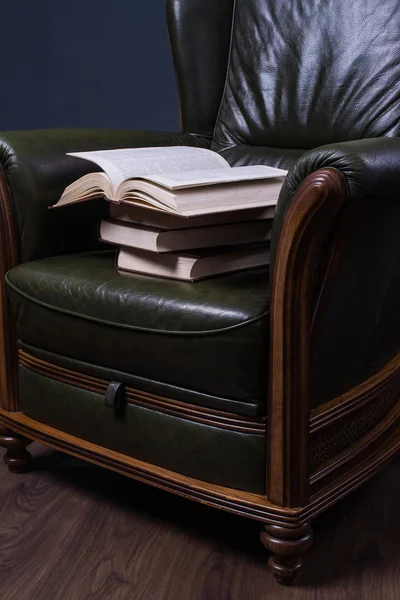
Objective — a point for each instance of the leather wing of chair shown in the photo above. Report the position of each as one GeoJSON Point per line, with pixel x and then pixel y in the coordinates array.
{"type": "Point", "coordinates": [270, 393]}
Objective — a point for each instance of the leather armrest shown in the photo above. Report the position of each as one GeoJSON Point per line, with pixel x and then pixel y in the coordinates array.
{"type": "Point", "coordinates": [35, 170]}
{"type": "Point", "coordinates": [370, 166]}
{"type": "Point", "coordinates": [358, 325]}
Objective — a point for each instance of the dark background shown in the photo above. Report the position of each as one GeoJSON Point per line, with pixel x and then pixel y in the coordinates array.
{"type": "Point", "coordinates": [86, 63]}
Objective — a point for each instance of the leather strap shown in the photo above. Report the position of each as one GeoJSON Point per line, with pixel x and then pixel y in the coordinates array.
{"type": "Point", "coordinates": [114, 395]}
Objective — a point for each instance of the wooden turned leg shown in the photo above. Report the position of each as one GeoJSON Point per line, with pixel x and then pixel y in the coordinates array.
{"type": "Point", "coordinates": [17, 457]}
{"type": "Point", "coordinates": [286, 546]}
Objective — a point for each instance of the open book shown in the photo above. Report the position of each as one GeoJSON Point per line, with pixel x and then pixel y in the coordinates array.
{"type": "Point", "coordinates": [178, 179]}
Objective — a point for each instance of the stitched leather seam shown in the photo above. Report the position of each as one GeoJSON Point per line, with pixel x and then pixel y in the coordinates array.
{"type": "Point", "coordinates": [135, 327]}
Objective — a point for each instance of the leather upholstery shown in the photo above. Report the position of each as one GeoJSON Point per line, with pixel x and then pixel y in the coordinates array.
{"type": "Point", "coordinates": [200, 32]}
{"type": "Point", "coordinates": [359, 330]}
{"type": "Point", "coordinates": [160, 388]}
{"type": "Point", "coordinates": [37, 171]}
{"type": "Point", "coordinates": [305, 73]}
{"type": "Point", "coordinates": [211, 337]}
{"type": "Point", "coordinates": [282, 158]}
{"type": "Point", "coordinates": [213, 454]}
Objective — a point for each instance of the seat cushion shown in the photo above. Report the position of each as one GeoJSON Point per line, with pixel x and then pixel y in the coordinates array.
{"type": "Point", "coordinates": [204, 343]}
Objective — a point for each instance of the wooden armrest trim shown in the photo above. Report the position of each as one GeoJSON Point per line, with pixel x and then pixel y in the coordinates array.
{"type": "Point", "coordinates": [316, 203]}
{"type": "Point", "coordinates": [8, 259]}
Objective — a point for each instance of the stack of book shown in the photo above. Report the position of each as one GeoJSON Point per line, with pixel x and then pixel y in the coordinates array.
{"type": "Point", "coordinates": [181, 212]}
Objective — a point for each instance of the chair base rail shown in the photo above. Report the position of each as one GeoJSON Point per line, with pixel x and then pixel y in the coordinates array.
{"type": "Point", "coordinates": [247, 504]}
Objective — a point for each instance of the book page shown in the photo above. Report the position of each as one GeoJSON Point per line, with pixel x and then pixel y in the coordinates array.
{"type": "Point", "coordinates": [128, 163]}
{"type": "Point", "coordinates": [188, 179]}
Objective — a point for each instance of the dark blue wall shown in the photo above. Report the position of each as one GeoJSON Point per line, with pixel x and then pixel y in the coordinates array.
{"type": "Point", "coordinates": [86, 63]}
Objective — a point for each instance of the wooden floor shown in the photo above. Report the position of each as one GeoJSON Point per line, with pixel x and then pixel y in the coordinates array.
{"type": "Point", "coordinates": [71, 531]}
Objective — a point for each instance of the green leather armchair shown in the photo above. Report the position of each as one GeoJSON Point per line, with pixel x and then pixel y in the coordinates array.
{"type": "Point", "coordinates": [270, 393]}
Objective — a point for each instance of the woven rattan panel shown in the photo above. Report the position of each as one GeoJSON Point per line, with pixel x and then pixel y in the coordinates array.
{"type": "Point", "coordinates": [347, 431]}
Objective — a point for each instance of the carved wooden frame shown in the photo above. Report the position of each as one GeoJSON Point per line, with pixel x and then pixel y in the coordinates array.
{"type": "Point", "coordinates": [294, 494]}
{"type": "Point", "coordinates": [316, 203]}
{"type": "Point", "coordinates": [8, 259]}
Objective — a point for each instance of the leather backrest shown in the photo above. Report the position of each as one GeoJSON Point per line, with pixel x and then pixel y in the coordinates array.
{"type": "Point", "coordinates": [199, 32]}
{"type": "Point", "coordinates": [303, 73]}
